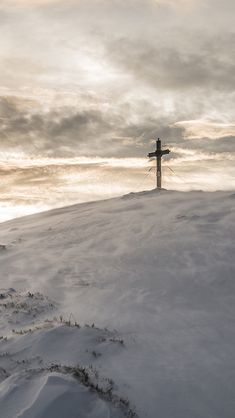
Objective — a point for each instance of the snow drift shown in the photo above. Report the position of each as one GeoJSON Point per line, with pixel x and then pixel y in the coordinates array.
{"type": "Point", "coordinates": [120, 308]}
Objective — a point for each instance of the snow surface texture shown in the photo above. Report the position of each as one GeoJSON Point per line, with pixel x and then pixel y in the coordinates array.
{"type": "Point", "coordinates": [152, 276]}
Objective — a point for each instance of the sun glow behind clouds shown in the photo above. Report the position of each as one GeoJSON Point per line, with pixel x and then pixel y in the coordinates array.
{"type": "Point", "coordinates": [22, 160]}
{"type": "Point", "coordinates": [30, 185]}
{"type": "Point", "coordinates": [96, 71]}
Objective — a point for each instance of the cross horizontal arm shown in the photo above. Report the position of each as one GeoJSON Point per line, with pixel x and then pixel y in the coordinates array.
{"type": "Point", "coordinates": [152, 154]}
{"type": "Point", "coordinates": [166, 151]}
{"type": "Point", "coordinates": [158, 153]}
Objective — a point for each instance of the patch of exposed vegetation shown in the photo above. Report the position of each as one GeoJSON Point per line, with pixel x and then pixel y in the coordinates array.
{"type": "Point", "coordinates": [104, 387]}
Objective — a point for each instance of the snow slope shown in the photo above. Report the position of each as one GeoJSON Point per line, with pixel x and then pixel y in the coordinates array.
{"type": "Point", "coordinates": [119, 307]}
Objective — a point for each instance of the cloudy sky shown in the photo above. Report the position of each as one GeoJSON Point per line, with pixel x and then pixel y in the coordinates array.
{"type": "Point", "coordinates": [87, 85]}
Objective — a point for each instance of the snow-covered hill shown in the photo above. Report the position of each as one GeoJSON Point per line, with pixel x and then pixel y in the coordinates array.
{"type": "Point", "coordinates": [120, 307]}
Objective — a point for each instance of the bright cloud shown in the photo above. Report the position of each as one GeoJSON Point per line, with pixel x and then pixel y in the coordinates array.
{"type": "Point", "coordinates": [195, 129]}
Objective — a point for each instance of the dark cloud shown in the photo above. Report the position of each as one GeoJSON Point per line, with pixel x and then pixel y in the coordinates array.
{"type": "Point", "coordinates": [217, 146]}
{"type": "Point", "coordinates": [211, 65]}
{"type": "Point", "coordinates": [69, 132]}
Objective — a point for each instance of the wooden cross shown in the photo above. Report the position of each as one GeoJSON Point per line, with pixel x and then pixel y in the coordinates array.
{"type": "Point", "coordinates": [158, 154]}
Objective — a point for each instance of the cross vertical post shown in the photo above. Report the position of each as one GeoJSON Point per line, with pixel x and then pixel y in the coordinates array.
{"type": "Point", "coordinates": [158, 154]}
{"type": "Point", "coordinates": [159, 164]}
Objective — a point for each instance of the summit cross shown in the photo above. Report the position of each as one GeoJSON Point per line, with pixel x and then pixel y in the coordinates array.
{"type": "Point", "coordinates": [158, 154]}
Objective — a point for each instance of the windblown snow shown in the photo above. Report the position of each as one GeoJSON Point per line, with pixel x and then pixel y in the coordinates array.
{"type": "Point", "coordinates": [120, 308]}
